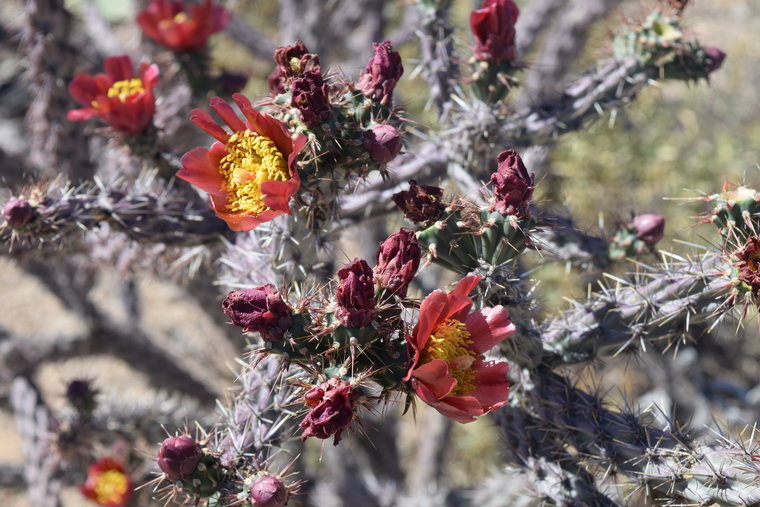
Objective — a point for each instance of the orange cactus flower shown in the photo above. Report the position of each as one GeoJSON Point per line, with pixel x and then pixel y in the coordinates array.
{"type": "Point", "coordinates": [179, 28]}
{"type": "Point", "coordinates": [251, 174]}
{"type": "Point", "coordinates": [107, 484]}
{"type": "Point", "coordinates": [118, 97]}
{"type": "Point", "coordinates": [448, 370]}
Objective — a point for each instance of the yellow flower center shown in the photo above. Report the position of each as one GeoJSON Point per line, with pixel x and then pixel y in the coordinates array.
{"type": "Point", "coordinates": [180, 17]}
{"type": "Point", "coordinates": [126, 88]}
{"type": "Point", "coordinates": [110, 487]}
{"type": "Point", "coordinates": [451, 342]}
{"type": "Point", "coordinates": [251, 160]}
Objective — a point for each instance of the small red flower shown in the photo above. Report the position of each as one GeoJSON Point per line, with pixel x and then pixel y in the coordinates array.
{"type": "Point", "coordinates": [251, 174]}
{"type": "Point", "coordinates": [120, 98]}
{"type": "Point", "coordinates": [107, 484]}
{"type": "Point", "coordinates": [180, 27]}
{"type": "Point", "coordinates": [494, 28]}
{"type": "Point", "coordinates": [448, 370]}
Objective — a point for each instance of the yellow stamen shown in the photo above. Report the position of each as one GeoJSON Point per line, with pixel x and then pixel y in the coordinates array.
{"type": "Point", "coordinates": [180, 17]}
{"type": "Point", "coordinates": [451, 342]}
{"type": "Point", "coordinates": [251, 160]}
{"type": "Point", "coordinates": [126, 88]}
{"type": "Point", "coordinates": [110, 487]}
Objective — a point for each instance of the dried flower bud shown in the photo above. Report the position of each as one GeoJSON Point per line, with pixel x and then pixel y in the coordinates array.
{"type": "Point", "coordinates": [355, 294]}
{"type": "Point", "coordinates": [397, 261]}
{"type": "Point", "coordinates": [513, 186]}
{"type": "Point", "coordinates": [382, 73]}
{"type": "Point", "coordinates": [383, 142]}
{"type": "Point", "coordinates": [261, 309]}
{"type": "Point", "coordinates": [18, 212]}
{"type": "Point", "coordinates": [292, 61]}
{"type": "Point", "coordinates": [649, 228]}
{"type": "Point", "coordinates": [421, 203]}
{"type": "Point", "coordinates": [749, 264]}
{"type": "Point", "coordinates": [81, 395]}
{"type": "Point", "coordinates": [334, 412]}
{"type": "Point", "coordinates": [310, 97]}
{"type": "Point", "coordinates": [494, 28]}
{"type": "Point", "coordinates": [178, 457]}
{"type": "Point", "coordinates": [713, 58]}
{"type": "Point", "coordinates": [313, 396]}
{"type": "Point", "coordinates": [269, 491]}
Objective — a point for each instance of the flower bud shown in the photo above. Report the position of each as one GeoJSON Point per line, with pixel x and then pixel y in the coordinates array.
{"type": "Point", "coordinates": [313, 396]}
{"type": "Point", "coordinates": [513, 187]}
{"type": "Point", "coordinates": [81, 395]}
{"type": "Point", "coordinates": [713, 58]}
{"type": "Point", "coordinates": [355, 295]}
{"type": "Point", "coordinates": [494, 28]}
{"type": "Point", "coordinates": [269, 491]}
{"type": "Point", "coordinates": [178, 457]}
{"type": "Point", "coordinates": [749, 264]}
{"type": "Point", "coordinates": [334, 412]}
{"type": "Point", "coordinates": [261, 309]}
{"type": "Point", "coordinates": [382, 73]}
{"type": "Point", "coordinates": [310, 97]}
{"type": "Point", "coordinates": [292, 61]}
{"type": "Point", "coordinates": [649, 228]}
{"type": "Point", "coordinates": [18, 212]}
{"type": "Point", "coordinates": [397, 261]}
{"type": "Point", "coordinates": [383, 142]}
{"type": "Point", "coordinates": [421, 203]}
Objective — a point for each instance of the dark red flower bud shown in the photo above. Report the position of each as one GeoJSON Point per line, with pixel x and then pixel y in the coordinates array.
{"type": "Point", "coordinates": [310, 97]}
{"type": "Point", "coordinates": [397, 261]}
{"type": "Point", "coordinates": [230, 83]}
{"type": "Point", "coordinates": [81, 395]}
{"type": "Point", "coordinates": [355, 294]}
{"type": "Point", "coordinates": [18, 212]}
{"type": "Point", "coordinates": [421, 203]}
{"type": "Point", "coordinates": [649, 228]}
{"type": "Point", "coordinates": [261, 309]}
{"type": "Point", "coordinates": [292, 61]}
{"type": "Point", "coordinates": [269, 491]}
{"type": "Point", "coordinates": [713, 58]}
{"type": "Point", "coordinates": [382, 73]}
{"type": "Point", "coordinates": [178, 457]}
{"type": "Point", "coordinates": [333, 413]}
{"type": "Point", "coordinates": [383, 142]}
{"type": "Point", "coordinates": [749, 264]}
{"type": "Point", "coordinates": [494, 28]}
{"type": "Point", "coordinates": [512, 186]}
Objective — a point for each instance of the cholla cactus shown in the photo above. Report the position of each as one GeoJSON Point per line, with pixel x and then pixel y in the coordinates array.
{"type": "Point", "coordinates": [437, 314]}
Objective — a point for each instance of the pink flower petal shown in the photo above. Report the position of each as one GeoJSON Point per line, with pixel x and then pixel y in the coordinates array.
{"type": "Point", "coordinates": [488, 327]}
{"type": "Point", "coordinates": [198, 170]}
{"type": "Point", "coordinates": [435, 376]}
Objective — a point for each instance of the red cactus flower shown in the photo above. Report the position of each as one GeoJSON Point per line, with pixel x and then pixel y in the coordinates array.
{"type": "Point", "coordinates": [448, 370]}
{"type": "Point", "coordinates": [107, 483]}
{"type": "Point", "coordinates": [118, 97]}
{"type": "Point", "coordinates": [180, 27]}
{"type": "Point", "coordinates": [494, 28]}
{"type": "Point", "coordinates": [251, 174]}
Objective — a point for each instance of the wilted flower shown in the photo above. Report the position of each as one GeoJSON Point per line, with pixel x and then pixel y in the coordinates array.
{"type": "Point", "coordinates": [18, 212]}
{"type": "Point", "coordinates": [332, 413]}
{"type": "Point", "coordinates": [181, 27]}
{"type": "Point", "coordinates": [292, 61]}
{"type": "Point", "coordinates": [178, 457]}
{"type": "Point", "coordinates": [251, 174]}
{"type": "Point", "coordinates": [494, 28]}
{"type": "Point", "coordinates": [649, 228]}
{"type": "Point", "coordinates": [355, 294]}
{"type": "Point", "coordinates": [269, 491]}
{"type": "Point", "coordinates": [383, 142]}
{"type": "Point", "coordinates": [713, 58]}
{"type": "Point", "coordinates": [382, 73]}
{"type": "Point", "coordinates": [107, 483]}
{"type": "Point", "coordinates": [421, 203]}
{"type": "Point", "coordinates": [118, 97]}
{"type": "Point", "coordinates": [749, 264]}
{"type": "Point", "coordinates": [448, 370]}
{"type": "Point", "coordinates": [261, 309]}
{"type": "Point", "coordinates": [397, 261]}
{"type": "Point", "coordinates": [310, 98]}
{"type": "Point", "coordinates": [512, 186]}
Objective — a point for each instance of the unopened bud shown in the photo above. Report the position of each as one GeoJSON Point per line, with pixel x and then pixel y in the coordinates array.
{"type": "Point", "coordinates": [178, 457]}
{"type": "Point", "coordinates": [381, 74]}
{"type": "Point", "coordinates": [355, 294]}
{"type": "Point", "coordinates": [383, 142]}
{"type": "Point", "coordinates": [81, 395]}
{"type": "Point", "coordinates": [649, 228]}
{"type": "Point", "coordinates": [18, 212]}
{"type": "Point", "coordinates": [269, 491]}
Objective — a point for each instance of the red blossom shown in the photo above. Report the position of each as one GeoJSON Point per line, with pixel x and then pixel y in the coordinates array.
{"type": "Point", "coordinates": [119, 97]}
{"type": "Point", "coordinates": [494, 28]}
{"type": "Point", "coordinates": [332, 413]}
{"type": "Point", "coordinates": [108, 484]}
{"type": "Point", "coordinates": [181, 27]}
{"type": "Point", "coordinates": [448, 370]}
{"type": "Point", "coordinates": [251, 174]}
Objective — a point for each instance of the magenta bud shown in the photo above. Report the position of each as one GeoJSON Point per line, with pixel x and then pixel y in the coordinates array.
{"type": "Point", "coordinates": [355, 294]}
{"type": "Point", "coordinates": [269, 491]}
{"type": "Point", "coordinates": [397, 261]}
{"type": "Point", "coordinates": [178, 457]}
{"type": "Point", "coordinates": [493, 26]}
{"type": "Point", "coordinates": [649, 228]}
{"type": "Point", "coordinates": [333, 414]}
{"type": "Point", "coordinates": [261, 310]}
{"type": "Point", "coordinates": [421, 203]}
{"type": "Point", "coordinates": [18, 212]}
{"type": "Point", "coordinates": [81, 395]}
{"type": "Point", "coordinates": [713, 58]}
{"type": "Point", "coordinates": [512, 186]}
{"type": "Point", "coordinates": [382, 73]}
{"type": "Point", "coordinates": [310, 98]}
{"type": "Point", "coordinates": [383, 142]}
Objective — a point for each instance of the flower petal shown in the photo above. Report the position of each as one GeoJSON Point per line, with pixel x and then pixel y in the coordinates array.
{"type": "Point", "coordinates": [198, 170]}
{"type": "Point", "coordinates": [491, 384]}
{"type": "Point", "coordinates": [208, 125]}
{"type": "Point", "coordinates": [488, 327]}
{"type": "Point", "coordinates": [227, 114]}
{"type": "Point", "coordinates": [119, 68]}
{"type": "Point", "coordinates": [435, 376]}
{"type": "Point", "coordinates": [463, 409]}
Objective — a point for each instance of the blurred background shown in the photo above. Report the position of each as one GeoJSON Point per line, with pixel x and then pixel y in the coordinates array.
{"type": "Point", "coordinates": [678, 140]}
